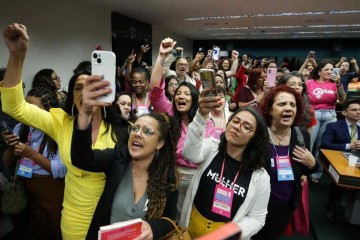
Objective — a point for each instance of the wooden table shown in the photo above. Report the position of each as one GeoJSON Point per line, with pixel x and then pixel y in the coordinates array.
{"type": "Point", "coordinates": [336, 165]}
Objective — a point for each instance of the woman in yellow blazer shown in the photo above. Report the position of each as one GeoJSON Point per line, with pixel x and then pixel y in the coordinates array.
{"type": "Point", "coordinates": [82, 189]}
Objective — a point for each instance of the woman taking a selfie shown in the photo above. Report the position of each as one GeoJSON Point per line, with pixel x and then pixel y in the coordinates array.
{"type": "Point", "coordinates": [141, 179]}
{"type": "Point", "coordinates": [82, 189]}
{"type": "Point", "coordinates": [183, 108]}
{"type": "Point", "coordinates": [289, 159]}
{"type": "Point", "coordinates": [238, 159]}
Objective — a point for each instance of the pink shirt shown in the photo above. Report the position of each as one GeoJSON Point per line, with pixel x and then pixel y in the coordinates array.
{"type": "Point", "coordinates": [322, 95]}
{"type": "Point", "coordinates": [161, 104]}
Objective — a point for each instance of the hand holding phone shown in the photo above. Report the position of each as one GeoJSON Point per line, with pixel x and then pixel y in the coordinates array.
{"type": "Point", "coordinates": [9, 137]}
{"type": "Point", "coordinates": [311, 54]}
{"type": "Point", "coordinates": [207, 77]}
{"type": "Point", "coordinates": [103, 63]}
{"type": "Point", "coordinates": [335, 71]}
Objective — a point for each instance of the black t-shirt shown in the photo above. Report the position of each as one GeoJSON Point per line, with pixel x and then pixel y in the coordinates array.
{"type": "Point", "coordinates": [210, 178]}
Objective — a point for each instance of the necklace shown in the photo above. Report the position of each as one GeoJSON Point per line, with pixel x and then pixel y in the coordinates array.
{"type": "Point", "coordinates": [137, 175]}
{"type": "Point", "coordinates": [279, 138]}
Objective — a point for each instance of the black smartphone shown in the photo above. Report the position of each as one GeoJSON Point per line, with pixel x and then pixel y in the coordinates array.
{"type": "Point", "coordinates": [4, 126]}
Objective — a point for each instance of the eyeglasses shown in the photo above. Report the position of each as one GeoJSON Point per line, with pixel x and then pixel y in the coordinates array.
{"type": "Point", "coordinates": [173, 84]}
{"type": "Point", "coordinates": [135, 82]}
{"type": "Point", "coordinates": [293, 84]}
{"type": "Point", "coordinates": [245, 127]}
{"type": "Point", "coordinates": [56, 78]}
{"type": "Point", "coordinates": [145, 130]}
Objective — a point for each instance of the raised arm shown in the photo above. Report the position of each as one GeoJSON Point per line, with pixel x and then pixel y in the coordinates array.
{"type": "Point", "coordinates": [143, 50]}
{"type": "Point", "coordinates": [17, 41]}
{"type": "Point", "coordinates": [354, 63]}
{"type": "Point", "coordinates": [235, 64]}
{"type": "Point", "coordinates": [129, 63]}
{"type": "Point", "coordinates": [197, 147]}
{"type": "Point", "coordinates": [166, 47]}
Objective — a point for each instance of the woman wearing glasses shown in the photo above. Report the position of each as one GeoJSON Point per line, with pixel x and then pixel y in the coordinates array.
{"type": "Point", "coordinates": [238, 159]}
{"type": "Point", "coordinates": [171, 84]}
{"type": "Point", "coordinates": [282, 109]}
{"type": "Point", "coordinates": [141, 179]}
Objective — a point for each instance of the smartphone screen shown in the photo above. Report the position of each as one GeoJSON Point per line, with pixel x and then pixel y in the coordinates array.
{"type": "Point", "coordinates": [216, 53]}
{"type": "Point", "coordinates": [207, 77]}
{"type": "Point", "coordinates": [271, 76]}
{"type": "Point", "coordinates": [103, 63]}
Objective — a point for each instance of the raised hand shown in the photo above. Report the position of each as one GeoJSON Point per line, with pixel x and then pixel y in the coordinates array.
{"type": "Point", "coordinates": [234, 55]}
{"type": "Point", "coordinates": [131, 57]}
{"type": "Point", "coordinates": [16, 39]}
{"type": "Point", "coordinates": [208, 103]}
{"type": "Point", "coordinates": [166, 46]}
{"type": "Point", "coordinates": [144, 48]}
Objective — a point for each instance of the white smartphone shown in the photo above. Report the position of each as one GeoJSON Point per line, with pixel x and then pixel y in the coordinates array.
{"type": "Point", "coordinates": [271, 76]}
{"type": "Point", "coordinates": [103, 63]}
{"type": "Point", "coordinates": [216, 53]}
{"type": "Point", "coordinates": [207, 77]}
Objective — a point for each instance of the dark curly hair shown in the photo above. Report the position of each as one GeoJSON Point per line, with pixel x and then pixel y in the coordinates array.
{"type": "Point", "coordinates": [49, 100]}
{"type": "Point", "coordinates": [194, 103]}
{"type": "Point", "coordinates": [256, 152]}
{"type": "Point", "coordinates": [164, 162]}
{"type": "Point", "coordinates": [268, 101]}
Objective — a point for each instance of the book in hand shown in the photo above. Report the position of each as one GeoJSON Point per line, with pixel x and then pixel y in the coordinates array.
{"type": "Point", "coordinates": [126, 230]}
{"type": "Point", "coordinates": [229, 231]}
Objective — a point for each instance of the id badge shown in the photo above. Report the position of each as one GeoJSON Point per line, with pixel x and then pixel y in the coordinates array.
{"type": "Point", "coordinates": [26, 168]}
{"type": "Point", "coordinates": [284, 169]}
{"type": "Point", "coordinates": [222, 202]}
{"type": "Point", "coordinates": [142, 109]}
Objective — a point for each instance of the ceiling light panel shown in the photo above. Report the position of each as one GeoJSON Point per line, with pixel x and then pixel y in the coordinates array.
{"type": "Point", "coordinates": [271, 15]}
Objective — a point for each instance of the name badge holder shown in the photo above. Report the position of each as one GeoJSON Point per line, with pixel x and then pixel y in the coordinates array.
{"type": "Point", "coordinates": [26, 168]}
{"type": "Point", "coordinates": [223, 197]}
{"type": "Point", "coordinates": [283, 165]}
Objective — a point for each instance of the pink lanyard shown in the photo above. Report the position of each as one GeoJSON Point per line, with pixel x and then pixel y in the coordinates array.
{"type": "Point", "coordinates": [137, 101]}
{"type": "Point", "coordinates": [222, 170]}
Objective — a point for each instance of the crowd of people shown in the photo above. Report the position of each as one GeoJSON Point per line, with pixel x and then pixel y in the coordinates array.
{"type": "Point", "coordinates": [167, 146]}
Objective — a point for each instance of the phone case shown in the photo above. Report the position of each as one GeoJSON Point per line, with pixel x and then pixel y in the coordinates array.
{"type": "Point", "coordinates": [335, 71]}
{"type": "Point", "coordinates": [207, 77]}
{"type": "Point", "coordinates": [271, 76]}
{"type": "Point", "coordinates": [103, 63]}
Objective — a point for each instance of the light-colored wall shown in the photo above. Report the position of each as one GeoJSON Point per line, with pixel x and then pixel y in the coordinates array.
{"type": "Point", "coordinates": [62, 33]}
{"type": "Point", "coordinates": [160, 33]}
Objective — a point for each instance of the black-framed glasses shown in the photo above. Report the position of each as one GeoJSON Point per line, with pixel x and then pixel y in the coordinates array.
{"type": "Point", "coordinates": [145, 130]}
{"type": "Point", "coordinates": [293, 84]}
{"type": "Point", "coordinates": [245, 127]}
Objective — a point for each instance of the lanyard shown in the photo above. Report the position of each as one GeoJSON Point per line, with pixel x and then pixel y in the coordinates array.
{"type": "Point", "coordinates": [222, 170]}
{"type": "Point", "coordinates": [222, 120]}
{"type": "Point", "coordinates": [272, 141]}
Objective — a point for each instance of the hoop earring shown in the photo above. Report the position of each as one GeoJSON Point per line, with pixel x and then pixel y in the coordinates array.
{"type": "Point", "coordinates": [104, 108]}
{"type": "Point", "coordinates": [72, 110]}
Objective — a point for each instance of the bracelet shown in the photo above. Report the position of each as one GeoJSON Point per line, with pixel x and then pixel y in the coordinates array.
{"type": "Point", "coordinates": [338, 84]}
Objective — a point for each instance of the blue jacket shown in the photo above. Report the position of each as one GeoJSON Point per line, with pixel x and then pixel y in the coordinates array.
{"type": "Point", "coordinates": [337, 135]}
